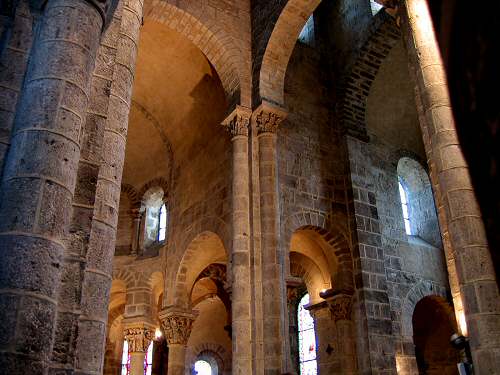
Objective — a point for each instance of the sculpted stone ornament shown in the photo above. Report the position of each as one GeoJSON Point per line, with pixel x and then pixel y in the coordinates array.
{"type": "Point", "coordinates": [340, 307]}
{"type": "Point", "coordinates": [238, 121]}
{"type": "Point", "coordinates": [268, 117]}
{"type": "Point", "coordinates": [177, 326]}
{"type": "Point", "coordinates": [138, 339]}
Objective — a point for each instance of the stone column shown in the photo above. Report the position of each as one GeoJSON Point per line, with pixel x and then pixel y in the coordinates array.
{"type": "Point", "coordinates": [475, 270]}
{"type": "Point", "coordinates": [241, 303]}
{"type": "Point", "coordinates": [39, 180]}
{"type": "Point", "coordinates": [341, 311]}
{"type": "Point", "coordinates": [327, 356]}
{"type": "Point", "coordinates": [267, 119]}
{"type": "Point", "coordinates": [177, 325]}
{"type": "Point", "coordinates": [138, 337]}
{"type": "Point", "coordinates": [136, 228]}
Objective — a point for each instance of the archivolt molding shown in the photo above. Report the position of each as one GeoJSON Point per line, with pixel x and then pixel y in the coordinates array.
{"type": "Point", "coordinates": [132, 195]}
{"type": "Point", "coordinates": [280, 47]}
{"type": "Point", "coordinates": [211, 39]}
{"type": "Point", "coordinates": [213, 350]}
{"type": "Point", "coordinates": [354, 90]}
{"type": "Point", "coordinates": [414, 295]}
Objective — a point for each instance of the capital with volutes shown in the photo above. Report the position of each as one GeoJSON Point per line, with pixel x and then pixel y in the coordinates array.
{"type": "Point", "coordinates": [268, 117]}
{"type": "Point", "coordinates": [177, 325]}
{"type": "Point", "coordinates": [139, 337]}
{"type": "Point", "coordinates": [238, 121]}
{"type": "Point", "coordinates": [340, 307]}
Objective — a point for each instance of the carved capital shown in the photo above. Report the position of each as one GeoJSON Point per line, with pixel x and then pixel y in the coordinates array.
{"type": "Point", "coordinates": [177, 326]}
{"type": "Point", "coordinates": [268, 117]}
{"type": "Point", "coordinates": [238, 121]}
{"type": "Point", "coordinates": [340, 307]}
{"type": "Point", "coordinates": [139, 338]}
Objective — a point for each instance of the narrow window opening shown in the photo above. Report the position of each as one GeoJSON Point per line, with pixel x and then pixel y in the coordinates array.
{"type": "Point", "coordinates": [307, 339]}
{"type": "Point", "coordinates": [162, 223]}
{"type": "Point", "coordinates": [376, 7]}
{"type": "Point", "coordinates": [306, 36]}
{"type": "Point", "coordinates": [404, 206]}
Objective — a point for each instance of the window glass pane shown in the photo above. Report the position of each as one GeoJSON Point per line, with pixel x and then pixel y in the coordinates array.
{"type": "Point", "coordinates": [307, 339]}
{"type": "Point", "coordinates": [407, 226]}
{"type": "Point", "coordinates": [405, 211]}
{"type": "Point", "coordinates": [162, 227]}
{"type": "Point", "coordinates": [402, 194]}
{"type": "Point", "coordinates": [125, 359]}
{"type": "Point", "coordinates": [203, 368]}
{"type": "Point", "coordinates": [308, 368]}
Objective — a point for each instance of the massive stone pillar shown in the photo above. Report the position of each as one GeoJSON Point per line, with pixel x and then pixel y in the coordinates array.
{"type": "Point", "coordinates": [139, 337]}
{"type": "Point", "coordinates": [267, 119]}
{"type": "Point", "coordinates": [326, 339]}
{"type": "Point", "coordinates": [474, 266]}
{"type": "Point", "coordinates": [241, 303]}
{"type": "Point", "coordinates": [177, 327]}
{"type": "Point", "coordinates": [39, 180]}
{"type": "Point", "coordinates": [340, 308]}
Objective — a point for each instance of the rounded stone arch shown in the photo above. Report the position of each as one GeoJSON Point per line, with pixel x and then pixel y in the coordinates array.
{"type": "Point", "coordinates": [159, 182]}
{"type": "Point", "coordinates": [279, 49]}
{"type": "Point", "coordinates": [355, 86]}
{"type": "Point", "coordinates": [211, 39]}
{"type": "Point", "coordinates": [192, 263]}
{"type": "Point", "coordinates": [331, 235]}
{"type": "Point", "coordinates": [210, 349]}
{"type": "Point", "coordinates": [132, 195]}
{"type": "Point", "coordinates": [303, 267]}
{"type": "Point", "coordinates": [415, 294]}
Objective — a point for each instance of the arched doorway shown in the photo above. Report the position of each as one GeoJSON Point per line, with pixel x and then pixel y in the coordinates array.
{"type": "Point", "coordinates": [433, 325]}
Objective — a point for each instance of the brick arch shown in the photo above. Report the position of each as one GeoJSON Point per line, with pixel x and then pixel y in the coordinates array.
{"type": "Point", "coordinates": [126, 276]}
{"type": "Point", "coordinates": [132, 194]}
{"type": "Point", "coordinates": [330, 229]}
{"type": "Point", "coordinates": [178, 282]}
{"type": "Point", "coordinates": [219, 353]}
{"type": "Point", "coordinates": [279, 49]}
{"type": "Point", "coordinates": [219, 48]}
{"type": "Point", "coordinates": [417, 293]}
{"type": "Point", "coordinates": [155, 182]}
{"type": "Point", "coordinates": [355, 87]}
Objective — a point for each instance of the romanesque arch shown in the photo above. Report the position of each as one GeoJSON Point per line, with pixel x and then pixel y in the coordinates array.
{"type": "Point", "coordinates": [212, 40]}
{"type": "Point", "coordinates": [280, 47]}
{"type": "Point", "coordinates": [356, 86]}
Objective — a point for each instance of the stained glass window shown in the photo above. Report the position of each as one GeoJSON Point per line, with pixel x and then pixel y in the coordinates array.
{"type": "Point", "coordinates": [307, 339]}
{"type": "Point", "coordinates": [202, 367]}
{"type": "Point", "coordinates": [404, 205]}
{"type": "Point", "coordinates": [125, 359]}
{"type": "Point", "coordinates": [162, 227]}
{"type": "Point", "coordinates": [148, 360]}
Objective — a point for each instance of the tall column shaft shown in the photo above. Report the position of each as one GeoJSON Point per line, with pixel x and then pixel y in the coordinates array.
{"type": "Point", "coordinates": [177, 325]}
{"type": "Point", "coordinates": [465, 226]}
{"type": "Point", "coordinates": [273, 286]}
{"type": "Point", "coordinates": [39, 181]}
{"type": "Point", "coordinates": [241, 299]}
{"type": "Point", "coordinates": [176, 359]}
{"type": "Point", "coordinates": [137, 363]}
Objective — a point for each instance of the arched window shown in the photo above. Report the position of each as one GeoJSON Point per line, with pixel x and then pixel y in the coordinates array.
{"type": "Point", "coordinates": [306, 36]}
{"type": "Point", "coordinates": [202, 367]}
{"type": "Point", "coordinates": [307, 339]}
{"type": "Point", "coordinates": [148, 359]}
{"type": "Point", "coordinates": [162, 223]}
{"type": "Point", "coordinates": [405, 206]}
{"type": "Point", "coordinates": [417, 203]}
{"type": "Point", "coordinates": [376, 7]}
{"type": "Point", "coordinates": [156, 217]}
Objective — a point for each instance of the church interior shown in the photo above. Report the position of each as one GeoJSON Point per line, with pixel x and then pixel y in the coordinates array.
{"type": "Point", "coordinates": [249, 187]}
